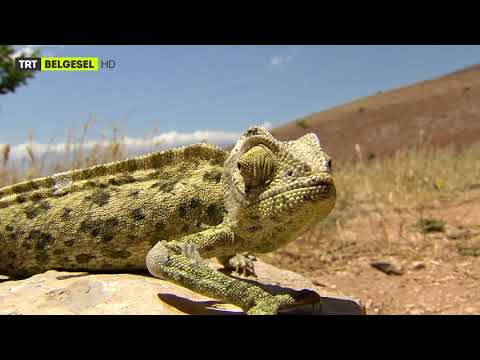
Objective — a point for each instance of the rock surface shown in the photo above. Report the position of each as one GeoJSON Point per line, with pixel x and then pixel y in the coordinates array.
{"type": "Point", "coordinates": [59, 292]}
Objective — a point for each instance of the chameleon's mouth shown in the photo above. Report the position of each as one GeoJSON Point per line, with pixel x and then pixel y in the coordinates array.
{"type": "Point", "coordinates": [311, 188]}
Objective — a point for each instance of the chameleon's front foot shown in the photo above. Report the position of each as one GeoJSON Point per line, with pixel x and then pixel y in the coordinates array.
{"type": "Point", "coordinates": [241, 263]}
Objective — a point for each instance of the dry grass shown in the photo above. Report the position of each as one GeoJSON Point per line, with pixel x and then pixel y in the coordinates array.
{"type": "Point", "coordinates": [379, 199]}
{"type": "Point", "coordinates": [76, 154]}
{"type": "Point", "coordinates": [381, 203]}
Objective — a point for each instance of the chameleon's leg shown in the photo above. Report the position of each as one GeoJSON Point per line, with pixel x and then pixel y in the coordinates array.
{"type": "Point", "coordinates": [241, 263]}
{"type": "Point", "coordinates": [181, 262]}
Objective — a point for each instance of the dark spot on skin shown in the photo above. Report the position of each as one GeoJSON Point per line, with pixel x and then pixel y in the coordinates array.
{"type": "Point", "coordinates": [68, 243]}
{"type": "Point", "coordinates": [58, 251]}
{"type": "Point", "coordinates": [84, 226]}
{"type": "Point", "coordinates": [254, 228]}
{"type": "Point", "coordinates": [159, 226]}
{"type": "Point", "coordinates": [194, 203]}
{"type": "Point", "coordinates": [10, 232]}
{"type": "Point", "coordinates": [122, 179]}
{"type": "Point", "coordinates": [66, 213]}
{"type": "Point", "coordinates": [164, 185]}
{"type": "Point", "coordinates": [21, 199]}
{"type": "Point", "coordinates": [33, 185]}
{"type": "Point", "coordinates": [133, 192]}
{"type": "Point", "coordinates": [215, 214]}
{"type": "Point", "coordinates": [131, 237]}
{"type": "Point", "coordinates": [99, 197]}
{"type": "Point", "coordinates": [167, 187]}
{"type": "Point", "coordinates": [107, 237]}
{"type": "Point", "coordinates": [122, 254]}
{"type": "Point", "coordinates": [34, 210]}
{"type": "Point", "coordinates": [99, 227]}
{"type": "Point", "coordinates": [44, 241]}
{"type": "Point", "coordinates": [182, 212]}
{"type": "Point", "coordinates": [214, 176]}
{"type": "Point", "coordinates": [111, 222]}
{"type": "Point", "coordinates": [91, 183]}
{"type": "Point", "coordinates": [84, 258]}
{"type": "Point", "coordinates": [36, 197]}
{"type": "Point", "coordinates": [26, 245]}
{"type": "Point", "coordinates": [3, 204]}
{"type": "Point", "coordinates": [191, 152]}
{"type": "Point", "coordinates": [209, 247]}
{"type": "Point", "coordinates": [138, 214]}
{"type": "Point", "coordinates": [102, 185]}
{"type": "Point", "coordinates": [40, 239]}
{"type": "Point", "coordinates": [12, 255]}
{"type": "Point", "coordinates": [44, 205]}
{"type": "Point", "coordinates": [42, 258]}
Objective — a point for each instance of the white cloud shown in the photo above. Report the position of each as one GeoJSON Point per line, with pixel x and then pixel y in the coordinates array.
{"type": "Point", "coordinates": [267, 125]}
{"type": "Point", "coordinates": [281, 60]}
{"type": "Point", "coordinates": [134, 145]}
{"type": "Point", "coordinates": [162, 141]}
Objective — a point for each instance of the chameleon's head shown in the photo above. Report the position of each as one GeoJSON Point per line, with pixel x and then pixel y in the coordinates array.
{"type": "Point", "coordinates": [273, 184]}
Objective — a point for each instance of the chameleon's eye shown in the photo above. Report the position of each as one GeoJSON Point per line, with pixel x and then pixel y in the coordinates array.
{"type": "Point", "coordinates": [257, 165]}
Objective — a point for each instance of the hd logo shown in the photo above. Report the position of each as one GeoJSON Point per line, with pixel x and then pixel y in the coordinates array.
{"type": "Point", "coordinates": [62, 64]}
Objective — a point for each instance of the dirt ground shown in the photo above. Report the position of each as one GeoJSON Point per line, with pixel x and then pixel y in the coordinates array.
{"type": "Point", "coordinates": [438, 272]}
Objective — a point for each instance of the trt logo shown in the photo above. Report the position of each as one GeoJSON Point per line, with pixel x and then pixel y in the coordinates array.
{"type": "Point", "coordinates": [28, 64]}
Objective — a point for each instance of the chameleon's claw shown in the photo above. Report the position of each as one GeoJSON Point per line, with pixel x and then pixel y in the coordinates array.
{"type": "Point", "coordinates": [243, 264]}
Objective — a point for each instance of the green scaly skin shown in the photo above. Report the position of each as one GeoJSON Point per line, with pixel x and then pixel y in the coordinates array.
{"type": "Point", "coordinates": [168, 211]}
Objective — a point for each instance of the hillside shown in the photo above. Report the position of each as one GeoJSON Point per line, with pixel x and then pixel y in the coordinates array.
{"type": "Point", "coordinates": [446, 109]}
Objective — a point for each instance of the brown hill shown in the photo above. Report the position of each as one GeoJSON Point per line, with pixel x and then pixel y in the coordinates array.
{"type": "Point", "coordinates": [441, 111]}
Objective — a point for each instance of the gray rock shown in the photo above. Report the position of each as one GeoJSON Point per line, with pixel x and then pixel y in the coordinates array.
{"type": "Point", "coordinates": [60, 292]}
{"type": "Point", "coordinates": [386, 267]}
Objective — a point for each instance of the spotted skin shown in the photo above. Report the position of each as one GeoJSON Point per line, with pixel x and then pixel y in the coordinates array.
{"type": "Point", "coordinates": [169, 211]}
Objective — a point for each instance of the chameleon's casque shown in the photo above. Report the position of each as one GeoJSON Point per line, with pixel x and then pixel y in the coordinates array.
{"type": "Point", "coordinates": [168, 211]}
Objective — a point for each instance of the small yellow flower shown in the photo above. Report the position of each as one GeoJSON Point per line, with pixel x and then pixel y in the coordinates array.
{"type": "Point", "coordinates": [439, 184]}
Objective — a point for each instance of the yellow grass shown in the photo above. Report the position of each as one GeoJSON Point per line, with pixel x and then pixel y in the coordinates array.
{"type": "Point", "coordinates": [378, 199]}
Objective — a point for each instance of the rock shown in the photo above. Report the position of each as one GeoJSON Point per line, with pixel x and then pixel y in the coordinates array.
{"type": "Point", "coordinates": [60, 292]}
{"type": "Point", "coordinates": [418, 265]}
{"type": "Point", "coordinates": [471, 310]}
{"type": "Point", "coordinates": [386, 267]}
{"type": "Point", "coordinates": [459, 234]}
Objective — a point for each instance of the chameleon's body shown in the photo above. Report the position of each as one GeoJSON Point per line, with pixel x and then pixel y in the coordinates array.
{"type": "Point", "coordinates": [167, 211]}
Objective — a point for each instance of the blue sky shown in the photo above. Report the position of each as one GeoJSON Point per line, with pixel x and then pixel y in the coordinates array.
{"type": "Point", "coordinates": [216, 89]}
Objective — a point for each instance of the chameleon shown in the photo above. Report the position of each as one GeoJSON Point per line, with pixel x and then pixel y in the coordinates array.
{"type": "Point", "coordinates": [170, 211]}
